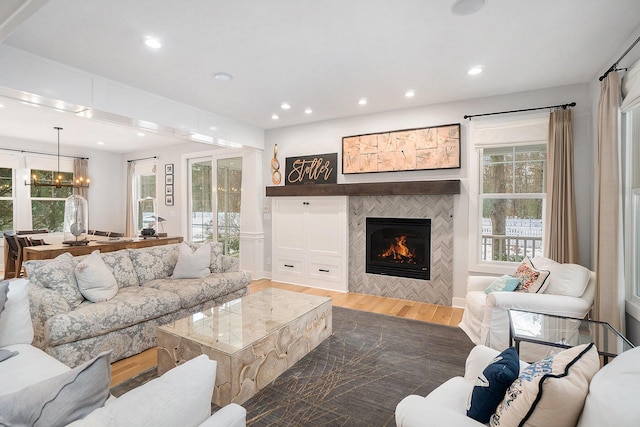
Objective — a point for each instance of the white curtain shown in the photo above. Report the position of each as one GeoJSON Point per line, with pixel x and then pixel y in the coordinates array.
{"type": "Point", "coordinates": [131, 231]}
{"type": "Point", "coordinates": [81, 169]}
{"type": "Point", "coordinates": [610, 294]}
{"type": "Point", "coordinates": [631, 88]}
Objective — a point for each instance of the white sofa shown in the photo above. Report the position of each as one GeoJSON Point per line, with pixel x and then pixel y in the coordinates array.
{"type": "Point", "coordinates": [569, 292]}
{"type": "Point", "coordinates": [181, 396]}
{"type": "Point", "coordinates": [611, 402]}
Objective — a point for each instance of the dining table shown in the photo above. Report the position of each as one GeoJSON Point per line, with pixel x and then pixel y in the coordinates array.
{"type": "Point", "coordinates": [48, 251]}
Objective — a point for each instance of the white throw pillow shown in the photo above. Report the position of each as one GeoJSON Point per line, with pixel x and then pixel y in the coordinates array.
{"type": "Point", "coordinates": [613, 393]}
{"type": "Point", "coordinates": [550, 392]}
{"type": "Point", "coordinates": [192, 264]}
{"type": "Point", "coordinates": [95, 281]}
{"type": "Point", "coordinates": [15, 319]}
{"type": "Point", "coordinates": [565, 279]}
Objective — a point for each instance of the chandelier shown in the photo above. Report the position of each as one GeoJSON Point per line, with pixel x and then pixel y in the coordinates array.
{"type": "Point", "coordinates": [57, 182]}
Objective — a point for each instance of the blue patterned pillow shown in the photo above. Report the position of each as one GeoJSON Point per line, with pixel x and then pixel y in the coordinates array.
{"type": "Point", "coordinates": [503, 284]}
{"type": "Point", "coordinates": [492, 384]}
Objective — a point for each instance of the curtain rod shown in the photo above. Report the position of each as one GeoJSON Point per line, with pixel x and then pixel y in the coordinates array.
{"type": "Point", "coordinates": [614, 67]}
{"type": "Point", "coordinates": [144, 158]}
{"type": "Point", "coordinates": [563, 106]}
{"type": "Point", "coordinates": [46, 154]}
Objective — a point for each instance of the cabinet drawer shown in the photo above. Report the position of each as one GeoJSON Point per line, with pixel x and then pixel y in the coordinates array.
{"type": "Point", "coordinates": [289, 265]}
{"type": "Point", "coordinates": [325, 270]}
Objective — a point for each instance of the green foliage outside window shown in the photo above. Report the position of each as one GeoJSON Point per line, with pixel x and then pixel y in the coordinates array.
{"type": "Point", "coordinates": [6, 199]}
{"type": "Point", "coordinates": [47, 202]}
{"type": "Point", "coordinates": [513, 186]}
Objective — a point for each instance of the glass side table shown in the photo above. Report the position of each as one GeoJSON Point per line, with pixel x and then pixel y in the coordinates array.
{"type": "Point", "coordinates": [565, 332]}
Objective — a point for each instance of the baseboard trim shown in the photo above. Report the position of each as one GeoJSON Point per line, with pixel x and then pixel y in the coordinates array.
{"type": "Point", "coordinates": [458, 302]}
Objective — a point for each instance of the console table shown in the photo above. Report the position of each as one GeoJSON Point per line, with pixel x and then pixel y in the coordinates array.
{"type": "Point", "coordinates": [52, 251]}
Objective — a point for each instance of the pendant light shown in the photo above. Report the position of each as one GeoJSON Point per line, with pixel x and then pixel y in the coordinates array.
{"type": "Point", "coordinates": [79, 182]}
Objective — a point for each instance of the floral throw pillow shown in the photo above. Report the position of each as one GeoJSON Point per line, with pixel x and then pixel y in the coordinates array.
{"type": "Point", "coordinates": [531, 279]}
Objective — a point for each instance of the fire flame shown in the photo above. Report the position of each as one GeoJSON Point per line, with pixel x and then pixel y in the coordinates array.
{"type": "Point", "coordinates": [399, 250]}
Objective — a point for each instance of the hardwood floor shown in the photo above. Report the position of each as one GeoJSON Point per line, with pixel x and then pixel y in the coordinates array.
{"type": "Point", "coordinates": [126, 368]}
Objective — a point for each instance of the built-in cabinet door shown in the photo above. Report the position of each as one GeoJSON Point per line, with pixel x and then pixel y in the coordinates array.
{"type": "Point", "coordinates": [325, 228]}
{"type": "Point", "coordinates": [310, 238]}
{"type": "Point", "coordinates": [289, 224]}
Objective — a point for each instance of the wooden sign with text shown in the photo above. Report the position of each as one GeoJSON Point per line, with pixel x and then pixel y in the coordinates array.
{"type": "Point", "coordinates": [316, 169]}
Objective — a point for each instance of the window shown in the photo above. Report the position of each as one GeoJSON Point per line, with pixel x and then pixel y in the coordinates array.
{"type": "Point", "coordinates": [229, 173]}
{"type": "Point", "coordinates": [6, 199]}
{"type": "Point", "coordinates": [201, 218]}
{"type": "Point", "coordinates": [223, 225]}
{"type": "Point", "coordinates": [47, 203]}
{"type": "Point", "coordinates": [631, 225]}
{"type": "Point", "coordinates": [512, 200]}
{"type": "Point", "coordinates": [506, 211]}
{"type": "Point", "coordinates": [144, 195]}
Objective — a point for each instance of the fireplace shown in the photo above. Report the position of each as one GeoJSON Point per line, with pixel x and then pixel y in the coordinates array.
{"type": "Point", "coordinates": [399, 247]}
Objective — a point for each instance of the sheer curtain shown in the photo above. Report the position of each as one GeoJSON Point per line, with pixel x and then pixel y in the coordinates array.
{"type": "Point", "coordinates": [609, 301]}
{"type": "Point", "coordinates": [131, 231]}
{"type": "Point", "coordinates": [81, 168]}
{"type": "Point", "coordinates": [561, 243]}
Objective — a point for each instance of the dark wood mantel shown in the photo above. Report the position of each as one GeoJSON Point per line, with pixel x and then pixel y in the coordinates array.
{"type": "Point", "coordinates": [451, 186]}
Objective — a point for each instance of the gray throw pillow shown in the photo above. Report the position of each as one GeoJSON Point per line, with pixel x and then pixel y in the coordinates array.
{"type": "Point", "coordinates": [4, 290]}
{"type": "Point", "coordinates": [6, 354]}
{"type": "Point", "coordinates": [62, 399]}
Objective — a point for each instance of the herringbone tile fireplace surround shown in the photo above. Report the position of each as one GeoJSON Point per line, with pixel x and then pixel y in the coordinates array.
{"type": "Point", "coordinates": [439, 208]}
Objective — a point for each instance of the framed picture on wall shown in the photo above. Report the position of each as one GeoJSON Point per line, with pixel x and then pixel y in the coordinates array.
{"type": "Point", "coordinates": [435, 147]}
{"type": "Point", "coordinates": [168, 200]}
{"type": "Point", "coordinates": [168, 190]}
{"type": "Point", "coordinates": [168, 168]}
{"type": "Point", "coordinates": [168, 179]}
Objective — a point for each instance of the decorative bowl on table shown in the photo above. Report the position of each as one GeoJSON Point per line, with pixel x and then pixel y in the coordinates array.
{"type": "Point", "coordinates": [148, 231]}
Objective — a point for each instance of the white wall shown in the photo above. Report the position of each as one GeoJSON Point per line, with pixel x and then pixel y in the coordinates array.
{"type": "Point", "coordinates": [326, 137]}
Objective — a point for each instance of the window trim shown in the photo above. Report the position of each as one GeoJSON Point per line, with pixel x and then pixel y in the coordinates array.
{"type": "Point", "coordinates": [631, 268]}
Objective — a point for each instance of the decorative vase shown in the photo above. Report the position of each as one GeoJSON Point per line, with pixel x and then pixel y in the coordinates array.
{"type": "Point", "coordinates": [76, 220]}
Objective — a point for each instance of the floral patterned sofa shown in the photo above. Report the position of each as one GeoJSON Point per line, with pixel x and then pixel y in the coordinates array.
{"type": "Point", "coordinates": [74, 330]}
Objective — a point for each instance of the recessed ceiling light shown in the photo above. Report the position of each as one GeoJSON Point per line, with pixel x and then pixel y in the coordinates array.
{"type": "Point", "coordinates": [152, 42]}
{"type": "Point", "coordinates": [275, 116]}
{"type": "Point", "coordinates": [140, 133]}
{"type": "Point", "coordinates": [213, 128]}
{"type": "Point", "coordinates": [474, 70]}
{"type": "Point", "coordinates": [362, 101]}
{"type": "Point", "coordinates": [466, 7]}
{"type": "Point", "coordinates": [1, 106]}
{"type": "Point", "coordinates": [223, 77]}
{"type": "Point", "coordinates": [410, 93]}
{"type": "Point", "coordinates": [308, 111]}
{"type": "Point", "coordinates": [285, 106]}
{"type": "Point", "coordinates": [100, 143]}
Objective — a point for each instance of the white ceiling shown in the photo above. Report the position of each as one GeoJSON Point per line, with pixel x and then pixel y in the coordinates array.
{"type": "Point", "coordinates": [324, 55]}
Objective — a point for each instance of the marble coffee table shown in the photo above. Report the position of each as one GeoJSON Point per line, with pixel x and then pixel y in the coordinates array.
{"type": "Point", "coordinates": [254, 339]}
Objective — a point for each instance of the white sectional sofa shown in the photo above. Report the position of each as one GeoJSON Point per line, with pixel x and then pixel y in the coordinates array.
{"type": "Point", "coordinates": [611, 400]}
{"type": "Point", "coordinates": [36, 389]}
{"type": "Point", "coordinates": [74, 329]}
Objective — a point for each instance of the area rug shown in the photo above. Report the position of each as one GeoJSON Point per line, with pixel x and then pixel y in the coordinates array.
{"type": "Point", "coordinates": [357, 376]}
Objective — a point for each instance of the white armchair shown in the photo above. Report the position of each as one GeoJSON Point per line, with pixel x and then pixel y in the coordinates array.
{"type": "Point", "coordinates": [569, 292]}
